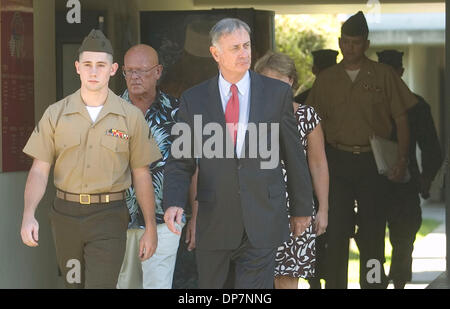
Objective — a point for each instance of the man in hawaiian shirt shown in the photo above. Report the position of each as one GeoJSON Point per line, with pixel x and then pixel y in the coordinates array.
{"type": "Point", "coordinates": [142, 71]}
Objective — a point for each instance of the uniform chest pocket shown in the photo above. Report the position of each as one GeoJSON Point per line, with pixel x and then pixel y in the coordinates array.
{"type": "Point", "coordinates": [115, 144]}
{"type": "Point", "coordinates": [66, 141]}
{"type": "Point", "coordinates": [376, 103]}
{"type": "Point", "coordinates": [377, 95]}
{"type": "Point", "coordinates": [67, 148]}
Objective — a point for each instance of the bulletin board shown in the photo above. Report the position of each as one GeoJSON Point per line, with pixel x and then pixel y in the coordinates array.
{"type": "Point", "coordinates": [17, 82]}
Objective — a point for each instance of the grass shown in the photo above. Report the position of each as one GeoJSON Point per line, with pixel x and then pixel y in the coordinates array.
{"type": "Point", "coordinates": [428, 225]}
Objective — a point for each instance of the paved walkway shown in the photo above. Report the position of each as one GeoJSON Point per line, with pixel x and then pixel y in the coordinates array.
{"type": "Point", "coordinates": [429, 251]}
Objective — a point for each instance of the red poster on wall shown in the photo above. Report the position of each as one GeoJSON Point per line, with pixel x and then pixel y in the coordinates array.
{"type": "Point", "coordinates": [17, 82]}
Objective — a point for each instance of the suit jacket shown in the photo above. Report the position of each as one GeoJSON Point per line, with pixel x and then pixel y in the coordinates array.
{"type": "Point", "coordinates": [422, 133]}
{"type": "Point", "coordinates": [236, 194]}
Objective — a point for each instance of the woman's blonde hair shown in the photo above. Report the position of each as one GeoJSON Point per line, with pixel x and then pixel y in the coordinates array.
{"type": "Point", "coordinates": [278, 62]}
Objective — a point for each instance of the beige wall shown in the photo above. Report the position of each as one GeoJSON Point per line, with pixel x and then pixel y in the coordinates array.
{"type": "Point", "coordinates": [20, 266]}
{"type": "Point", "coordinates": [166, 5]}
{"type": "Point", "coordinates": [297, 6]}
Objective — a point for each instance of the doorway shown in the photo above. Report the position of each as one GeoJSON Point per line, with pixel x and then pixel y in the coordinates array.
{"type": "Point", "coordinates": [68, 39]}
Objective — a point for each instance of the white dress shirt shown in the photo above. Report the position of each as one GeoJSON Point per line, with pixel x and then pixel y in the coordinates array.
{"type": "Point", "coordinates": [243, 87]}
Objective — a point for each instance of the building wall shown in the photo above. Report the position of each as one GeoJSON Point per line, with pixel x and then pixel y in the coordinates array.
{"type": "Point", "coordinates": [299, 6]}
{"type": "Point", "coordinates": [21, 266]}
{"type": "Point", "coordinates": [168, 5]}
{"type": "Point", "coordinates": [425, 63]}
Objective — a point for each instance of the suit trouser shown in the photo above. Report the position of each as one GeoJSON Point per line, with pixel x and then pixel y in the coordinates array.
{"type": "Point", "coordinates": [404, 220]}
{"type": "Point", "coordinates": [90, 242]}
{"type": "Point", "coordinates": [319, 273]}
{"type": "Point", "coordinates": [185, 275]}
{"type": "Point", "coordinates": [355, 177]}
{"type": "Point", "coordinates": [243, 268]}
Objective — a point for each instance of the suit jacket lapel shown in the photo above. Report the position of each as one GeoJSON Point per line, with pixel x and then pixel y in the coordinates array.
{"type": "Point", "coordinates": [256, 97]}
{"type": "Point", "coordinates": [214, 103]}
{"type": "Point", "coordinates": [256, 100]}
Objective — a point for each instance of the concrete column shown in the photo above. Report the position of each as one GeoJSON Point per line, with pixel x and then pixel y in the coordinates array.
{"type": "Point", "coordinates": [423, 65]}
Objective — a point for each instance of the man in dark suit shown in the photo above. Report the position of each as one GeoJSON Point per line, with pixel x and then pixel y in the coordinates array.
{"type": "Point", "coordinates": [405, 215]}
{"type": "Point", "coordinates": [242, 216]}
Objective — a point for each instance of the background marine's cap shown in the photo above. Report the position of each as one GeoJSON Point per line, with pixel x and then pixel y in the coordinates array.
{"type": "Point", "coordinates": [96, 42]}
{"type": "Point", "coordinates": [391, 57]}
{"type": "Point", "coordinates": [356, 25]}
{"type": "Point", "coordinates": [324, 58]}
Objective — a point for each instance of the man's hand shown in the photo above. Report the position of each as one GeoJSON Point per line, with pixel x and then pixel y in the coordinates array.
{"type": "Point", "coordinates": [424, 187]}
{"type": "Point", "coordinates": [148, 243]}
{"type": "Point", "coordinates": [30, 231]}
{"type": "Point", "coordinates": [299, 225]}
{"type": "Point", "coordinates": [190, 233]}
{"type": "Point", "coordinates": [398, 172]}
{"type": "Point", "coordinates": [142, 182]}
{"type": "Point", "coordinates": [34, 191]}
{"type": "Point", "coordinates": [173, 214]}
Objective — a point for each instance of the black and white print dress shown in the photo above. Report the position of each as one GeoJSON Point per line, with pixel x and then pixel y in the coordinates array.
{"type": "Point", "coordinates": [297, 257]}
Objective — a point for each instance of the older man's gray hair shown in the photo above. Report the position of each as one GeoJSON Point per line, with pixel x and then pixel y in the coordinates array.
{"type": "Point", "coordinates": [226, 26]}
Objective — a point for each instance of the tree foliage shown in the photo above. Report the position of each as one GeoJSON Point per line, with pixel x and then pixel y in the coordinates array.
{"type": "Point", "coordinates": [299, 35]}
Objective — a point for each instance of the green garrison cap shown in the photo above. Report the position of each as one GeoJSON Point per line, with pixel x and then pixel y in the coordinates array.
{"type": "Point", "coordinates": [356, 25]}
{"type": "Point", "coordinates": [96, 42]}
{"type": "Point", "coordinates": [391, 57]}
{"type": "Point", "coordinates": [324, 58]}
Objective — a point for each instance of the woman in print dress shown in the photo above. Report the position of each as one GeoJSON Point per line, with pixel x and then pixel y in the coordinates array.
{"type": "Point", "coordinates": [296, 258]}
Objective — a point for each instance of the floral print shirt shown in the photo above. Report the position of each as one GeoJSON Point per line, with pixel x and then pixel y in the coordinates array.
{"type": "Point", "coordinates": [160, 117]}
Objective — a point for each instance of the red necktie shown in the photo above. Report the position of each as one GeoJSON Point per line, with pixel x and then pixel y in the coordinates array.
{"type": "Point", "coordinates": [232, 113]}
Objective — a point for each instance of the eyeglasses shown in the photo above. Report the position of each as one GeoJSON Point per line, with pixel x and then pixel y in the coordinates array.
{"type": "Point", "coordinates": [128, 73]}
